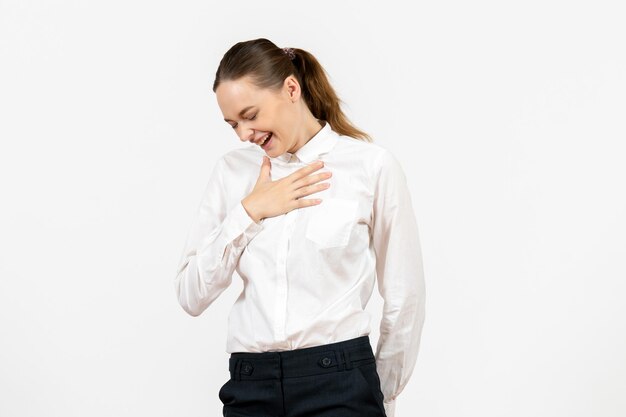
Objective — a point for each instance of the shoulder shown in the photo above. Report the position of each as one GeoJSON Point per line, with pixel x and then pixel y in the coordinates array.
{"type": "Point", "coordinates": [369, 152]}
{"type": "Point", "coordinates": [377, 157]}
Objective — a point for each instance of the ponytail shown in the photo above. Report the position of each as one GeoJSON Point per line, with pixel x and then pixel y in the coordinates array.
{"type": "Point", "coordinates": [321, 97]}
{"type": "Point", "coordinates": [268, 66]}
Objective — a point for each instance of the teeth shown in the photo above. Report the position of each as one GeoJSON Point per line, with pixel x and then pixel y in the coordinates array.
{"type": "Point", "coordinates": [266, 138]}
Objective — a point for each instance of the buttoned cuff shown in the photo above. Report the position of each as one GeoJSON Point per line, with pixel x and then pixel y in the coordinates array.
{"type": "Point", "coordinates": [390, 408]}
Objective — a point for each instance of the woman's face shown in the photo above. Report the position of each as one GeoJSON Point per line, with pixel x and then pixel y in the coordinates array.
{"type": "Point", "coordinates": [255, 113]}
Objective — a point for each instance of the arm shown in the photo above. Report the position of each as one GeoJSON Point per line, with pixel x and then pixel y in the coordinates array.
{"type": "Point", "coordinates": [400, 278]}
{"type": "Point", "coordinates": [215, 241]}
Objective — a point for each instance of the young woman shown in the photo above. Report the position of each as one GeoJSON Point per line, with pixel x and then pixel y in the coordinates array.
{"type": "Point", "coordinates": [311, 214]}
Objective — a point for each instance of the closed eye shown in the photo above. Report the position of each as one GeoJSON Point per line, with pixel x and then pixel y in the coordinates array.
{"type": "Point", "coordinates": [249, 118]}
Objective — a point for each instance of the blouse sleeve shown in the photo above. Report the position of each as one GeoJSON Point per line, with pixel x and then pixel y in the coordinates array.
{"type": "Point", "coordinates": [400, 279]}
{"type": "Point", "coordinates": [214, 244]}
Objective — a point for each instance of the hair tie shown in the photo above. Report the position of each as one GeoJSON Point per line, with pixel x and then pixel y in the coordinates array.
{"type": "Point", "coordinates": [290, 53]}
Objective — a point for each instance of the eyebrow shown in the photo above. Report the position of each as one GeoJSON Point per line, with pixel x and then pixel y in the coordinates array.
{"type": "Point", "coordinates": [241, 113]}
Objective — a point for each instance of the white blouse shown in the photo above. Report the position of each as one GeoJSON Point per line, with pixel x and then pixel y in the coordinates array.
{"type": "Point", "coordinates": [308, 274]}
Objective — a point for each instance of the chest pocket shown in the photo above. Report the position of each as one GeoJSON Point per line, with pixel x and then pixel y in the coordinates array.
{"type": "Point", "coordinates": [331, 222]}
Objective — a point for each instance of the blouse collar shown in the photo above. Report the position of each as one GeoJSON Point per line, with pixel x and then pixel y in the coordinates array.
{"type": "Point", "coordinates": [322, 142]}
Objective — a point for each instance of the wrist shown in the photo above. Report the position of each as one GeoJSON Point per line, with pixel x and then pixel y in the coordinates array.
{"type": "Point", "coordinates": [251, 212]}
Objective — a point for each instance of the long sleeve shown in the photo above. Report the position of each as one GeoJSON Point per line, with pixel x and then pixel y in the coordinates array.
{"type": "Point", "coordinates": [400, 279]}
{"type": "Point", "coordinates": [215, 242]}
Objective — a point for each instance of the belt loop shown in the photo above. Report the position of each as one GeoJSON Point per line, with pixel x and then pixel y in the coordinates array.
{"type": "Point", "coordinates": [237, 369]}
{"type": "Point", "coordinates": [346, 358]}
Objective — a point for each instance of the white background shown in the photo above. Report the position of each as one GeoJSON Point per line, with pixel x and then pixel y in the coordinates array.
{"type": "Point", "coordinates": [508, 118]}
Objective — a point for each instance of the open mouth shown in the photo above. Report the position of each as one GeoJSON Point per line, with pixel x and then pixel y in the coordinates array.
{"type": "Point", "coordinates": [267, 141]}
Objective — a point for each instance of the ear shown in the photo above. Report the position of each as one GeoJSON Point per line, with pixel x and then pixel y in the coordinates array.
{"type": "Point", "coordinates": [292, 88]}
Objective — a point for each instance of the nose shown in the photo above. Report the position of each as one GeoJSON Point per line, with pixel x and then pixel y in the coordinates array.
{"type": "Point", "coordinates": [246, 134]}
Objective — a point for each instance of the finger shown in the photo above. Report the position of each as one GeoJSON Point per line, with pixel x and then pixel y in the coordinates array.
{"type": "Point", "coordinates": [303, 172]}
{"type": "Point", "coordinates": [312, 179]}
{"type": "Point", "coordinates": [264, 171]}
{"type": "Point", "coordinates": [307, 202]}
{"type": "Point", "coordinates": [312, 189]}
{"type": "Point", "coordinates": [266, 166]}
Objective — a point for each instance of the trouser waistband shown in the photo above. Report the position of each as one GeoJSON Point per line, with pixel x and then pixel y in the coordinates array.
{"type": "Point", "coordinates": [313, 360]}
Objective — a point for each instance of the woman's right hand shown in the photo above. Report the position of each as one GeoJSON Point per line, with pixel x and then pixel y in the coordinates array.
{"type": "Point", "coordinates": [272, 198]}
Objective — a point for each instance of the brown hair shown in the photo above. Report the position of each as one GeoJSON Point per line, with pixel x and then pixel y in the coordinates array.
{"type": "Point", "coordinates": [267, 65]}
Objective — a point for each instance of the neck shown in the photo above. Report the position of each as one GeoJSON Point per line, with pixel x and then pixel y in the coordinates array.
{"type": "Point", "coordinates": [311, 128]}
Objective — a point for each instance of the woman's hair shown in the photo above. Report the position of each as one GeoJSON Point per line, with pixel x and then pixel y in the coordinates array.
{"type": "Point", "coordinates": [267, 65]}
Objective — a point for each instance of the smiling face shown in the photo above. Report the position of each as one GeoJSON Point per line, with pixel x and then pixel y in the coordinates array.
{"type": "Point", "coordinates": [255, 113]}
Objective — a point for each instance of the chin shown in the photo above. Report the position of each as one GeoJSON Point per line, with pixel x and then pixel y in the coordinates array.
{"type": "Point", "coordinates": [276, 150]}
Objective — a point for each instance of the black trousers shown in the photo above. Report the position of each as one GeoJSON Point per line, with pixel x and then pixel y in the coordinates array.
{"type": "Point", "coordinates": [333, 380]}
